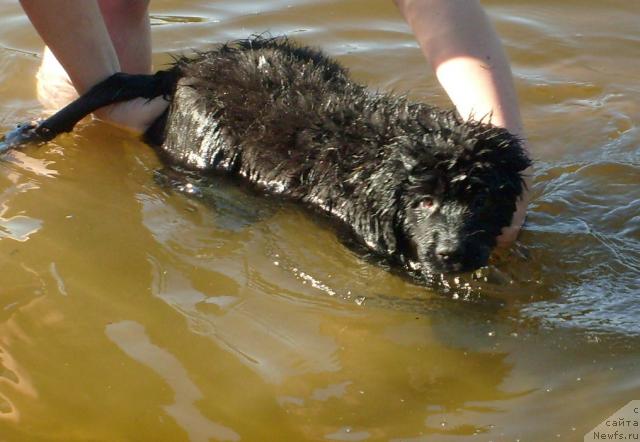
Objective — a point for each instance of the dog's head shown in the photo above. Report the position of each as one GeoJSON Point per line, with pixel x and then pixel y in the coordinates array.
{"type": "Point", "coordinates": [462, 185]}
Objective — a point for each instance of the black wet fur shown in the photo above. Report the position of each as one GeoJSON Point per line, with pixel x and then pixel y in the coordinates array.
{"type": "Point", "coordinates": [416, 185]}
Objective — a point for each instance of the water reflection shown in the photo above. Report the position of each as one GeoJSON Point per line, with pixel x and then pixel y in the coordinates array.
{"type": "Point", "coordinates": [132, 339]}
{"type": "Point", "coordinates": [14, 382]}
{"type": "Point", "coordinates": [276, 339]}
{"type": "Point", "coordinates": [327, 362]}
{"type": "Point", "coordinates": [17, 227]}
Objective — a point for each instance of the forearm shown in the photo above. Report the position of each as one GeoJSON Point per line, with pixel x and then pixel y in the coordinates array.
{"type": "Point", "coordinates": [128, 24]}
{"type": "Point", "coordinates": [465, 52]}
{"type": "Point", "coordinates": [77, 35]}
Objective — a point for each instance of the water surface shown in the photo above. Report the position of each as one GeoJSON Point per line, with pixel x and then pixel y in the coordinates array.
{"type": "Point", "coordinates": [130, 311]}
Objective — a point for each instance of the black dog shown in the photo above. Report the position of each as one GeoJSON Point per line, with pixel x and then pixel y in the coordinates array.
{"type": "Point", "coordinates": [418, 186]}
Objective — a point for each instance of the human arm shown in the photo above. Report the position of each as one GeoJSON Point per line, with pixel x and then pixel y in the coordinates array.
{"type": "Point", "coordinates": [93, 40]}
{"type": "Point", "coordinates": [467, 56]}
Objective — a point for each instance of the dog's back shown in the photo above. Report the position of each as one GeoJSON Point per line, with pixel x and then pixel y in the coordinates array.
{"type": "Point", "coordinates": [256, 97]}
{"type": "Point", "coordinates": [289, 120]}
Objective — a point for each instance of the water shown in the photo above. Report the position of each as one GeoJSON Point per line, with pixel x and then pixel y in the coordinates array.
{"type": "Point", "coordinates": [133, 312]}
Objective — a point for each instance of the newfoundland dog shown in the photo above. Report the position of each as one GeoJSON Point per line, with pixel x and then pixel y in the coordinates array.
{"type": "Point", "coordinates": [419, 187]}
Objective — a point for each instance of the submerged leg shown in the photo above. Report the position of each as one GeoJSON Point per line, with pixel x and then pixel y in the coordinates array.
{"type": "Point", "coordinates": [119, 87]}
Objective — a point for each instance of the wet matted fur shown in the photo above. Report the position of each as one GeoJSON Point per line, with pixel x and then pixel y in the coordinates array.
{"type": "Point", "coordinates": [416, 185]}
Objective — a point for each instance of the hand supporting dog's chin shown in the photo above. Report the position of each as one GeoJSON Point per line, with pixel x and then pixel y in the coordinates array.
{"type": "Point", "coordinates": [510, 233]}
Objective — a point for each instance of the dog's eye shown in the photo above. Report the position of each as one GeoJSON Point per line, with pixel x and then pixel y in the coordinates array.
{"type": "Point", "coordinates": [426, 203]}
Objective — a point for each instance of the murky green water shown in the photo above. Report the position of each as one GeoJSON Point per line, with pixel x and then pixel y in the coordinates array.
{"type": "Point", "coordinates": [129, 312]}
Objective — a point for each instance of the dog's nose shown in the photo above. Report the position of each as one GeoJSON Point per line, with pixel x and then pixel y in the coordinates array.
{"type": "Point", "coordinates": [449, 253]}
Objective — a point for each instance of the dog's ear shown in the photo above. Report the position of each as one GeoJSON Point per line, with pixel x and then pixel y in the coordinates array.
{"type": "Point", "coordinates": [489, 154]}
{"type": "Point", "coordinates": [508, 158]}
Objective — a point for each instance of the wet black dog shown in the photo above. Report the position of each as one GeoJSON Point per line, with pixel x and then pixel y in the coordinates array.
{"type": "Point", "coordinates": [418, 186]}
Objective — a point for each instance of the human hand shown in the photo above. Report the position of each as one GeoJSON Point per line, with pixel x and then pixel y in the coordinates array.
{"type": "Point", "coordinates": [56, 91]}
{"type": "Point", "coordinates": [510, 233]}
{"type": "Point", "coordinates": [135, 115]}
